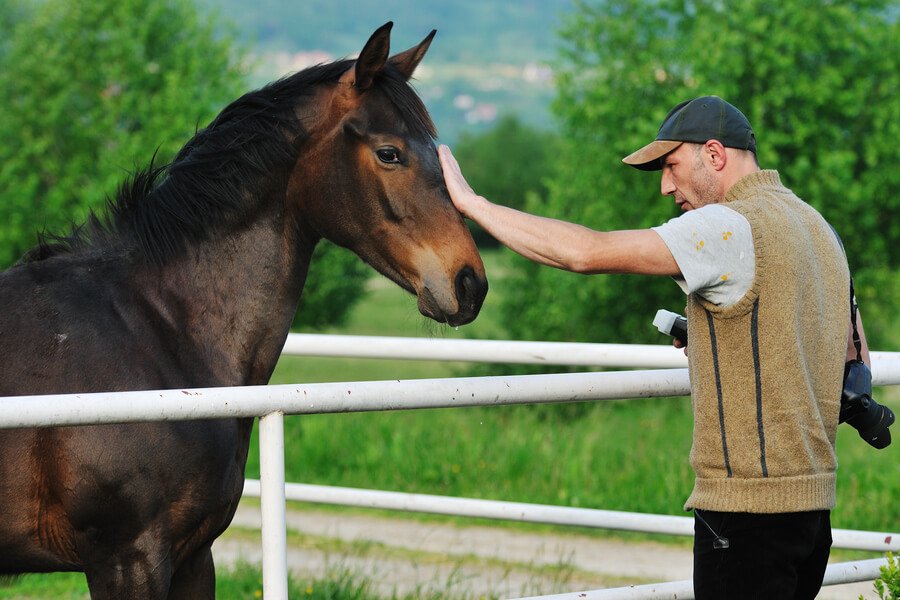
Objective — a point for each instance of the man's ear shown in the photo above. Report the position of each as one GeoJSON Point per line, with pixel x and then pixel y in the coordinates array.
{"type": "Point", "coordinates": [715, 154]}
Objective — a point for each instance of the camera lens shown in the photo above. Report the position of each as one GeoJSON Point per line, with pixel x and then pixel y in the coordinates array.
{"type": "Point", "coordinates": [869, 418]}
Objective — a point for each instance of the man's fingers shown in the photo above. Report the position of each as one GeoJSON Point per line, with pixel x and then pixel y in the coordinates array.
{"type": "Point", "coordinates": [452, 173]}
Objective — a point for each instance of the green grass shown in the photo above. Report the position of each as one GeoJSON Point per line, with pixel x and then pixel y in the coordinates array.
{"type": "Point", "coordinates": [59, 586]}
{"type": "Point", "coordinates": [243, 582]}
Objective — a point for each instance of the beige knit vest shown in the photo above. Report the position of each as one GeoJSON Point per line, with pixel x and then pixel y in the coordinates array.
{"type": "Point", "coordinates": [766, 373]}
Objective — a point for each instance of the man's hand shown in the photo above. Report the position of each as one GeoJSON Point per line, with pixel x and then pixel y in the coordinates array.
{"type": "Point", "coordinates": [461, 193]}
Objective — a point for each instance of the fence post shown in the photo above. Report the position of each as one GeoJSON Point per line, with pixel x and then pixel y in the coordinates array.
{"type": "Point", "coordinates": [272, 501]}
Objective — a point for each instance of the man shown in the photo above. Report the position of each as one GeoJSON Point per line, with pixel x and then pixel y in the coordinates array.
{"type": "Point", "coordinates": [768, 311]}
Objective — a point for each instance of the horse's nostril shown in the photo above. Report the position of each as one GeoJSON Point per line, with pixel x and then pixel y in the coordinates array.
{"type": "Point", "coordinates": [470, 289]}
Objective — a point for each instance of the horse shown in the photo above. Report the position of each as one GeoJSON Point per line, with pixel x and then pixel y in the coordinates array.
{"type": "Point", "coordinates": [191, 278]}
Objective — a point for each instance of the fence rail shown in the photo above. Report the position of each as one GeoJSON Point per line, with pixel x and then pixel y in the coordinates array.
{"type": "Point", "coordinates": [315, 398]}
{"type": "Point", "coordinates": [849, 572]}
{"type": "Point", "coordinates": [848, 539]}
{"type": "Point", "coordinates": [885, 365]}
{"type": "Point", "coordinates": [271, 403]}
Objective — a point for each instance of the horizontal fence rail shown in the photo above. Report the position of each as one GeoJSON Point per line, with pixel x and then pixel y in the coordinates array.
{"type": "Point", "coordinates": [486, 351]}
{"type": "Point", "coordinates": [537, 513]}
{"type": "Point", "coordinates": [885, 365]}
{"type": "Point", "coordinates": [315, 398]}
{"type": "Point", "coordinates": [849, 572]}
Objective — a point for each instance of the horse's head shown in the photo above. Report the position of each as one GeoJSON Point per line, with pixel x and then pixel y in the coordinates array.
{"type": "Point", "coordinates": [370, 180]}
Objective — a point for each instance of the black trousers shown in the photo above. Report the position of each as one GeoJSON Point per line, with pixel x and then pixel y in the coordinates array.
{"type": "Point", "coordinates": [768, 556]}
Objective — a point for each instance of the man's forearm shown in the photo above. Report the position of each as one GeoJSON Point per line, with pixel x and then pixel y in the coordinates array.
{"type": "Point", "coordinates": [547, 241]}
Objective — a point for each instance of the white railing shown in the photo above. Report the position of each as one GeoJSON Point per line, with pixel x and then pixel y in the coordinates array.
{"type": "Point", "coordinates": [848, 539]}
{"type": "Point", "coordinates": [271, 403]}
{"type": "Point", "coordinates": [885, 365]}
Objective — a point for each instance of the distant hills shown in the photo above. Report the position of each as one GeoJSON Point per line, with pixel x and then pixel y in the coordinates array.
{"type": "Point", "coordinates": [489, 57]}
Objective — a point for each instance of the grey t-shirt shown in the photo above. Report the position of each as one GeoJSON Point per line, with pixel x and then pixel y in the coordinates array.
{"type": "Point", "coordinates": [713, 247]}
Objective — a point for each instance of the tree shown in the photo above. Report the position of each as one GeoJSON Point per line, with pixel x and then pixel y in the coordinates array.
{"type": "Point", "coordinates": [11, 12]}
{"type": "Point", "coordinates": [818, 85]}
{"type": "Point", "coordinates": [335, 283]}
{"type": "Point", "coordinates": [92, 90]}
{"type": "Point", "coordinates": [507, 163]}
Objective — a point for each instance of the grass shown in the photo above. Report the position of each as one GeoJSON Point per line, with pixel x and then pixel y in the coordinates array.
{"type": "Point", "coordinates": [243, 582]}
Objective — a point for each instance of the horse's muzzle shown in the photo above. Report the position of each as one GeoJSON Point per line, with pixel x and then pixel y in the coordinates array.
{"type": "Point", "coordinates": [470, 293]}
{"type": "Point", "coordinates": [456, 306]}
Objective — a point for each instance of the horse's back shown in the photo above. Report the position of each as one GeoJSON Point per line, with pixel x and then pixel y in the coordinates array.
{"type": "Point", "coordinates": [82, 326]}
{"type": "Point", "coordinates": [52, 319]}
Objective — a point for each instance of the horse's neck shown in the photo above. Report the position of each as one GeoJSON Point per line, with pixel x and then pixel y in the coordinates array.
{"type": "Point", "coordinates": [236, 296]}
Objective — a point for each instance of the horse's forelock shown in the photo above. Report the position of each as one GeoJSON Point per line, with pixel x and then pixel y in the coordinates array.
{"type": "Point", "coordinates": [404, 98]}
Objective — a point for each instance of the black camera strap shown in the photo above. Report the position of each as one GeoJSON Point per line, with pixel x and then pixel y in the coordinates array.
{"type": "Point", "coordinates": [856, 341]}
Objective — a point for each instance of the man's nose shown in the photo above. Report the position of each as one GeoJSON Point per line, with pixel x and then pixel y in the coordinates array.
{"type": "Point", "coordinates": [666, 185]}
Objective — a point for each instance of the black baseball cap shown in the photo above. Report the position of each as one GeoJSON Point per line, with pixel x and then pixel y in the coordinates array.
{"type": "Point", "coordinates": [698, 121]}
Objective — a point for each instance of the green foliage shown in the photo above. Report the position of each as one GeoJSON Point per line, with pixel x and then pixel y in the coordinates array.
{"type": "Point", "coordinates": [93, 89]}
{"type": "Point", "coordinates": [887, 586]}
{"type": "Point", "coordinates": [817, 82]}
{"type": "Point", "coordinates": [336, 282]}
{"type": "Point", "coordinates": [507, 163]}
{"type": "Point", "coordinates": [11, 12]}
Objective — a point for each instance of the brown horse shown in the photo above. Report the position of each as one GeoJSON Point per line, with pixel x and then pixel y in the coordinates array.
{"type": "Point", "coordinates": [192, 280]}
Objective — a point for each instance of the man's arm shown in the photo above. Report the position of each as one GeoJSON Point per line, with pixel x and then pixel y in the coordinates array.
{"type": "Point", "coordinates": [556, 243]}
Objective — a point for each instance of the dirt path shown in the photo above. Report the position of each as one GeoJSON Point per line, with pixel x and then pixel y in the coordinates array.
{"type": "Point", "coordinates": [410, 556]}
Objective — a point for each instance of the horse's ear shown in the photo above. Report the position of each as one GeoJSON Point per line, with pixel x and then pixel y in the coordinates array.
{"type": "Point", "coordinates": [406, 62]}
{"type": "Point", "coordinates": [373, 57]}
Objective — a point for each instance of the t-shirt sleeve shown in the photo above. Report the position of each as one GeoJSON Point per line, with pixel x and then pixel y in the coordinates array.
{"type": "Point", "coordinates": [713, 247]}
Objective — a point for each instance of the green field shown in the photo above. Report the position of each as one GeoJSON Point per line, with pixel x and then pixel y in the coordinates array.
{"type": "Point", "coordinates": [239, 583]}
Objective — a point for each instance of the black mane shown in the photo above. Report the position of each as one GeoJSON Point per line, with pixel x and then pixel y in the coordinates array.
{"type": "Point", "coordinates": [161, 210]}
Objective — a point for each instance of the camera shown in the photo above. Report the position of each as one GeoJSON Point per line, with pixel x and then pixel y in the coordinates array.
{"type": "Point", "coordinates": [858, 408]}
{"type": "Point", "coordinates": [672, 324]}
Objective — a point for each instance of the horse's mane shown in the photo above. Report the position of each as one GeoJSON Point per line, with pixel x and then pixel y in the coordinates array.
{"type": "Point", "coordinates": [160, 210]}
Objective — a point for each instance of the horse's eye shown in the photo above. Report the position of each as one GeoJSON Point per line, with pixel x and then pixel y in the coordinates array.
{"type": "Point", "coordinates": [388, 155]}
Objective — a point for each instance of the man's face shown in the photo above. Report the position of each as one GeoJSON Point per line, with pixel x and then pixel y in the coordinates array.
{"type": "Point", "coordinates": [689, 179]}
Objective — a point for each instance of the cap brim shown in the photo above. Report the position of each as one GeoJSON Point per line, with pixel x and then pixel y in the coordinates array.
{"type": "Point", "coordinates": [647, 158]}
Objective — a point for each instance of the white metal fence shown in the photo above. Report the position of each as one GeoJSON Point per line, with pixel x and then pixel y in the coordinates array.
{"type": "Point", "coordinates": [271, 403]}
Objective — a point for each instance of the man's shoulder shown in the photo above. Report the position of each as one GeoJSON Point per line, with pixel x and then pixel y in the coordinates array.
{"type": "Point", "coordinates": [711, 215]}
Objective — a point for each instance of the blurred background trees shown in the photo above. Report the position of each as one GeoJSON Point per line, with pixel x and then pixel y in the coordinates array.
{"type": "Point", "coordinates": [510, 164]}
{"type": "Point", "coordinates": [817, 83]}
{"type": "Point", "coordinates": [92, 89]}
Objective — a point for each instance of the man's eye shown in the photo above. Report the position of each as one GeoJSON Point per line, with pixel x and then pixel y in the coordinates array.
{"type": "Point", "coordinates": [388, 155]}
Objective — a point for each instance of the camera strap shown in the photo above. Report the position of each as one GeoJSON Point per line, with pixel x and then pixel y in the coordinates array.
{"type": "Point", "coordinates": [856, 341]}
